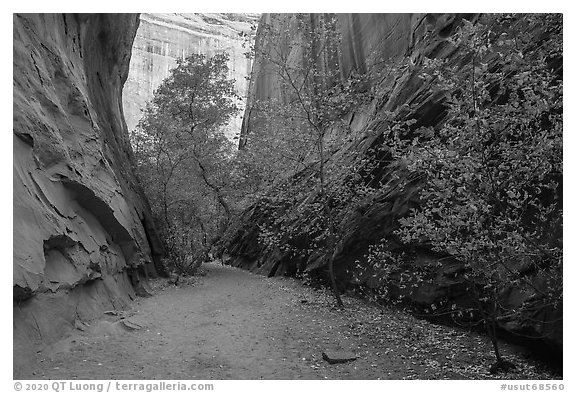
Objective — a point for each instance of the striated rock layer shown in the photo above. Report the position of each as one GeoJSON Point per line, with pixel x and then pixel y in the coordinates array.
{"type": "Point", "coordinates": [83, 233]}
{"type": "Point", "coordinates": [162, 38]}
{"type": "Point", "coordinates": [369, 42]}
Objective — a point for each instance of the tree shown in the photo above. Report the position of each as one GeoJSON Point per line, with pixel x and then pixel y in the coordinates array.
{"type": "Point", "coordinates": [493, 170]}
{"type": "Point", "coordinates": [183, 155]}
{"type": "Point", "coordinates": [312, 100]}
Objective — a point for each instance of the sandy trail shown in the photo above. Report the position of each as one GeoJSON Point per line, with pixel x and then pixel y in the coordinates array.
{"type": "Point", "coordinates": [229, 325]}
{"type": "Point", "coordinates": [232, 324]}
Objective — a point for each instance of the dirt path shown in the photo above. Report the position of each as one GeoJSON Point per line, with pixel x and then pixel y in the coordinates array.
{"type": "Point", "coordinates": [231, 324]}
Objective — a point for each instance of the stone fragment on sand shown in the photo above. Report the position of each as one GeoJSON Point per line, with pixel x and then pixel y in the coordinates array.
{"type": "Point", "coordinates": [335, 357]}
{"type": "Point", "coordinates": [130, 325]}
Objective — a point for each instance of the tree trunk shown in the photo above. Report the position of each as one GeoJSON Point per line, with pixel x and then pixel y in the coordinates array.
{"type": "Point", "coordinates": [165, 205]}
{"type": "Point", "coordinates": [331, 227]}
{"type": "Point", "coordinates": [489, 319]}
{"type": "Point", "coordinates": [339, 302]}
{"type": "Point", "coordinates": [494, 339]}
{"type": "Point", "coordinates": [492, 326]}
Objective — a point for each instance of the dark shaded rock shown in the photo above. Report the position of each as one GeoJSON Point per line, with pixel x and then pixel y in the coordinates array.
{"type": "Point", "coordinates": [80, 325]}
{"type": "Point", "coordinates": [140, 284]}
{"type": "Point", "coordinates": [130, 325]}
{"type": "Point", "coordinates": [335, 357]}
{"type": "Point", "coordinates": [20, 293]}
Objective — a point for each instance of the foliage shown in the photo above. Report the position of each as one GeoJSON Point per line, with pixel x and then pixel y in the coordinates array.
{"type": "Point", "coordinates": [183, 156]}
{"type": "Point", "coordinates": [198, 93]}
{"type": "Point", "coordinates": [313, 99]}
{"type": "Point", "coordinates": [493, 169]}
{"type": "Point", "coordinates": [489, 174]}
{"type": "Point", "coordinates": [183, 257]}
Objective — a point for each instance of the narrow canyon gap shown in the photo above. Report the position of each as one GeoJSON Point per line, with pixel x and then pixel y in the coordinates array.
{"type": "Point", "coordinates": [84, 237]}
{"type": "Point", "coordinates": [162, 38]}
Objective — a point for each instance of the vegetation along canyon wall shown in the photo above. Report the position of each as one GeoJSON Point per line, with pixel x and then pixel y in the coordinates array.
{"type": "Point", "coordinates": [393, 100]}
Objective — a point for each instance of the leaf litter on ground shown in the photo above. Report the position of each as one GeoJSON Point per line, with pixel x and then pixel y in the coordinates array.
{"type": "Point", "coordinates": [425, 349]}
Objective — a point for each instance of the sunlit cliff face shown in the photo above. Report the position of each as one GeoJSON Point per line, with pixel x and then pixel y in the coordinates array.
{"type": "Point", "coordinates": [162, 38]}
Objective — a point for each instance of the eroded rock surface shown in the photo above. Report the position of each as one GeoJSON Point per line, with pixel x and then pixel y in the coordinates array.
{"type": "Point", "coordinates": [82, 230]}
{"type": "Point", "coordinates": [369, 42]}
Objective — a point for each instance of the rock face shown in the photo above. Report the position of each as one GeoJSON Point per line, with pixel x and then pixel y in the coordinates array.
{"type": "Point", "coordinates": [162, 38]}
{"type": "Point", "coordinates": [83, 234]}
{"type": "Point", "coordinates": [368, 42]}
{"type": "Point", "coordinates": [334, 357]}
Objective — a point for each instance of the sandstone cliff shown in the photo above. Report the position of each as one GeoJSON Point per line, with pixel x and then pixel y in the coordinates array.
{"type": "Point", "coordinates": [369, 42]}
{"type": "Point", "coordinates": [162, 38]}
{"type": "Point", "coordinates": [82, 232]}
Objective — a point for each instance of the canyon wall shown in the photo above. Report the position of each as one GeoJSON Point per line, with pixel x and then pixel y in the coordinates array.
{"type": "Point", "coordinates": [368, 43]}
{"type": "Point", "coordinates": [162, 38]}
{"type": "Point", "coordinates": [83, 233]}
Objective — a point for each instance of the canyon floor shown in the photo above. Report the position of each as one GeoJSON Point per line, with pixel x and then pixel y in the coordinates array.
{"type": "Point", "coordinates": [231, 324]}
